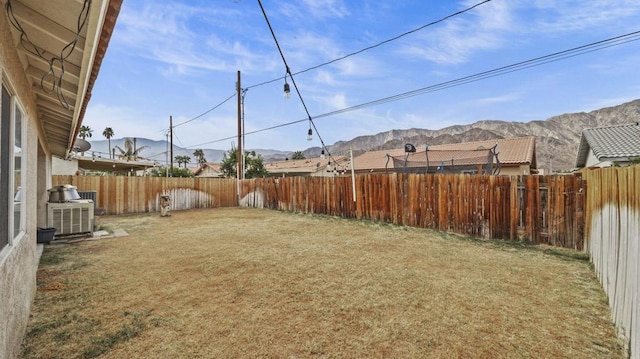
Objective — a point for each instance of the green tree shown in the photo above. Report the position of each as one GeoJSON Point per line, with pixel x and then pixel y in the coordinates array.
{"type": "Point", "coordinates": [108, 133]}
{"type": "Point", "coordinates": [298, 155]}
{"type": "Point", "coordinates": [176, 172]}
{"type": "Point", "coordinates": [199, 154]}
{"type": "Point", "coordinates": [130, 152]}
{"type": "Point", "coordinates": [254, 164]}
{"type": "Point", "coordinates": [85, 131]}
{"type": "Point", "coordinates": [182, 160]}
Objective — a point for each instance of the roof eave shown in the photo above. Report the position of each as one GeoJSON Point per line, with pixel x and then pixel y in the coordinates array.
{"type": "Point", "coordinates": [106, 16]}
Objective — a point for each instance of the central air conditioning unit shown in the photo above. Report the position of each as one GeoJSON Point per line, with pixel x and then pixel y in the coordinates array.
{"type": "Point", "coordinates": [71, 218]}
{"type": "Point", "coordinates": [68, 213]}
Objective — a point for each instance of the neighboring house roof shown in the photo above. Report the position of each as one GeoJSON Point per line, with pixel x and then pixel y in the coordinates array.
{"type": "Point", "coordinates": [110, 165]}
{"type": "Point", "coordinates": [610, 143]}
{"type": "Point", "coordinates": [50, 26]}
{"type": "Point", "coordinates": [511, 151]}
{"type": "Point", "coordinates": [306, 166]}
{"type": "Point", "coordinates": [207, 167]}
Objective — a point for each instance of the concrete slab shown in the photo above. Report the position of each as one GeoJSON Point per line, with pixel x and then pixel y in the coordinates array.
{"type": "Point", "coordinates": [39, 250]}
{"type": "Point", "coordinates": [100, 233]}
{"type": "Point", "coordinates": [120, 233]}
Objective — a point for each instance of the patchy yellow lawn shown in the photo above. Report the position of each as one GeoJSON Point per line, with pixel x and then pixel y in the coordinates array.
{"type": "Point", "coordinates": [247, 283]}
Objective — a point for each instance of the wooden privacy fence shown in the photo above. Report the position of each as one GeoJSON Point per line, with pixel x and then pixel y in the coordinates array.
{"type": "Point", "coordinates": [120, 194]}
{"type": "Point", "coordinates": [612, 235]}
{"type": "Point", "coordinates": [537, 209]}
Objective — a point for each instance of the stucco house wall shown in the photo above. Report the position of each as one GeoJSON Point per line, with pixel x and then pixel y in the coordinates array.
{"type": "Point", "coordinates": [18, 259]}
{"type": "Point", "coordinates": [521, 170]}
{"type": "Point", "coordinates": [62, 167]}
{"type": "Point", "coordinates": [33, 130]}
{"type": "Point", "coordinates": [593, 161]}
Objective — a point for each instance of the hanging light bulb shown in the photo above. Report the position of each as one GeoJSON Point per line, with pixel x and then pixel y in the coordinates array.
{"type": "Point", "coordinates": [310, 135]}
{"type": "Point", "coordinates": [322, 154]}
{"type": "Point", "coordinates": [287, 90]}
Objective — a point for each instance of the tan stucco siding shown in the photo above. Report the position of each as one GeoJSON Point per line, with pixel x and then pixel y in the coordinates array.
{"type": "Point", "coordinates": [18, 262]}
{"type": "Point", "coordinates": [515, 170]}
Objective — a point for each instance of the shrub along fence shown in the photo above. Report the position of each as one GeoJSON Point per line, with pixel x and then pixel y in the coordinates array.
{"type": "Point", "coordinates": [537, 209]}
{"type": "Point", "coordinates": [612, 235]}
{"type": "Point", "coordinates": [121, 195]}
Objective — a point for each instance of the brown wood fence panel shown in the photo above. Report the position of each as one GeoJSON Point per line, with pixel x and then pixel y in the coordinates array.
{"type": "Point", "coordinates": [612, 233]}
{"type": "Point", "coordinates": [120, 194]}
{"type": "Point", "coordinates": [536, 209]}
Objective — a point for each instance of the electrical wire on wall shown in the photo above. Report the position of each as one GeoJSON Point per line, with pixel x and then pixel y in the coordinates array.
{"type": "Point", "coordinates": [51, 81]}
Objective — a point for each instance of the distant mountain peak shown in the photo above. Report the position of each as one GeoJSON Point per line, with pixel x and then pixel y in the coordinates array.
{"type": "Point", "coordinates": [557, 138]}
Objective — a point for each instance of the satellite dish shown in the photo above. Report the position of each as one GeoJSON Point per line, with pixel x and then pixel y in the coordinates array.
{"type": "Point", "coordinates": [81, 145]}
{"type": "Point", "coordinates": [409, 148]}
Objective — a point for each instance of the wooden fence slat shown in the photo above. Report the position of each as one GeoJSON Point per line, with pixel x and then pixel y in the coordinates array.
{"type": "Point", "coordinates": [481, 205]}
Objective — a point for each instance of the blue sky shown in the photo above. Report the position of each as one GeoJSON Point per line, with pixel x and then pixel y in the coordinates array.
{"type": "Point", "coordinates": [180, 59]}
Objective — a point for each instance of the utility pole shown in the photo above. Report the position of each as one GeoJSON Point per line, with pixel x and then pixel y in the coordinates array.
{"type": "Point", "coordinates": [244, 164]}
{"type": "Point", "coordinates": [240, 156]}
{"type": "Point", "coordinates": [171, 144]}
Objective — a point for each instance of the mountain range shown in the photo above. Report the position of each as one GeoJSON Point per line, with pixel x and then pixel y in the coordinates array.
{"type": "Point", "coordinates": [557, 138]}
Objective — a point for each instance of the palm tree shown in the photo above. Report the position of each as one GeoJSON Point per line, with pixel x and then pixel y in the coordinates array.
{"type": "Point", "coordinates": [199, 154]}
{"type": "Point", "coordinates": [85, 131]}
{"type": "Point", "coordinates": [108, 133]}
{"type": "Point", "coordinates": [182, 160]}
{"type": "Point", "coordinates": [129, 153]}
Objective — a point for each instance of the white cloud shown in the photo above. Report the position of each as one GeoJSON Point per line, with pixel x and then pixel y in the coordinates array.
{"type": "Point", "coordinates": [312, 9]}
{"type": "Point", "coordinates": [598, 103]}
{"type": "Point", "coordinates": [493, 100]}
{"type": "Point", "coordinates": [501, 25]}
{"type": "Point", "coordinates": [327, 8]}
{"type": "Point", "coordinates": [458, 38]}
{"type": "Point", "coordinates": [172, 33]}
{"type": "Point", "coordinates": [325, 78]}
{"type": "Point", "coordinates": [125, 122]}
{"type": "Point", "coordinates": [307, 48]}
{"type": "Point", "coordinates": [575, 15]}
{"type": "Point", "coordinates": [334, 102]}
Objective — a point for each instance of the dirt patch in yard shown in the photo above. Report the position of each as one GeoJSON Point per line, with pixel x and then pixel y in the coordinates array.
{"type": "Point", "coordinates": [236, 283]}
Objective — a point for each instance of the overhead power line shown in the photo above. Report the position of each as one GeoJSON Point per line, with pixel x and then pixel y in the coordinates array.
{"type": "Point", "coordinates": [339, 58]}
{"type": "Point", "coordinates": [206, 112]}
{"type": "Point", "coordinates": [537, 61]}
{"type": "Point", "coordinates": [378, 44]}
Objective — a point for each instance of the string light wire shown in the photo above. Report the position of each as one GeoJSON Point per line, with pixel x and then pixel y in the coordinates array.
{"type": "Point", "coordinates": [522, 65]}
{"type": "Point", "coordinates": [293, 81]}
{"type": "Point", "coordinates": [288, 73]}
{"type": "Point", "coordinates": [378, 44]}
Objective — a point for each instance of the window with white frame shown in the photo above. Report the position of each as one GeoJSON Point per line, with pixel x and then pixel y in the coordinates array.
{"type": "Point", "coordinates": [12, 174]}
{"type": "Point", "coordinates": [18, 170]}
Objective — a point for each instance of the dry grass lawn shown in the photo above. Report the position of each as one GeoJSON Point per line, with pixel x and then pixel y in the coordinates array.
{"type": "Point", "coordinates": [249, 283]}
